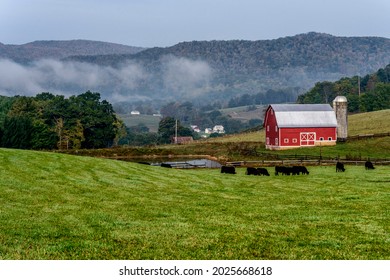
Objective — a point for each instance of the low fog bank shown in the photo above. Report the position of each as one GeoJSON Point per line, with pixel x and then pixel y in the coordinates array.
{"type": "Point", "coordinates": [178, 78]}
{"type": "Point", "coordinates": [169, 79]}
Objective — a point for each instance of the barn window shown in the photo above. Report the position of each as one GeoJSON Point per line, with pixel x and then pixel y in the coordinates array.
{"type": "Point", "coordinates": [321, 138]}
{"type": "Point", "coordinates": [267, 140]}
{"type": "Point", "coordinates": [267, 127]}
{"type": "Point", "coordinates": [276, 129]}
{"type": "Point", "coordinates": [276, 141]}
{"type": "Point", "coordinates": [294, 140]}
{"type": "Point", "coordinates": [286, 140]}
{"type": "Point", "coordinates": [330, 138]}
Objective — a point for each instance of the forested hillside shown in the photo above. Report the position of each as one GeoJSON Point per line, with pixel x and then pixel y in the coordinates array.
{"type": "Point", "coordinates": [202, 72]}
{"type": "Point", "coordinates": [368, 93]}
{"type": "Point", "coordinates": [220, 70]}
{"type": "Point", "coordinates": [60, 49]}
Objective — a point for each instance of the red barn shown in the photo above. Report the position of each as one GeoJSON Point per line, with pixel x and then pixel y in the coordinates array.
{"type": "Point", "coordinates": [299, 125]}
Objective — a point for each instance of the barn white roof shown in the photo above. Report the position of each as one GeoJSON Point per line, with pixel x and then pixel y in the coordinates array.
{"type": "Point", "coordinates": [304, 115]}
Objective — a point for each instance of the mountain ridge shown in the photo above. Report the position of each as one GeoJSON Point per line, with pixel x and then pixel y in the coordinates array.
{"type": "Point", "coordinates": [209, 71]}
{"type": "Point", "coordinates": [59, 49]}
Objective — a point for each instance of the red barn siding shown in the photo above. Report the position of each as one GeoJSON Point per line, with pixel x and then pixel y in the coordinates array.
{"type": "Point", "coordinates": [271, 128]}
{"type": "Point", "coordinates": [293, 137]}
{"type": "Point", "coordinates": [307, 136]}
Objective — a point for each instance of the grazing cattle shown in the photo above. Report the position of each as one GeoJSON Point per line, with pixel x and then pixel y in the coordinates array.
{"type": "Point", "coordinates": [252, 171]}
{"type": "Point", "coordinates": [340, 167]}
{"type": "Point", "coordinates": [288, 171]}
{"type": "Point", "coordinates": [369, 165]}
{"type": "Point", "coordinates": [262, 171]}
{"type": "Point", "coordinates": [296, 170]}
{"type": "Point", "coordinates": [257, 171]}
{"type": "Point", "coordinates": [228, 169]}
{"type": "Point", "coordinates": [279, 169]}
{"type": "Point", "coordinates": [304, 170]}
{"type": "Point", "coordinates": [167, 165]}
{"type": "Point", "coordinates": [284, 170]}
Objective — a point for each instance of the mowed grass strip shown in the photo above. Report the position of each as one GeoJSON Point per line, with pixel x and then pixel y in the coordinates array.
{"type": "Point", "coordinates": [56, 206]}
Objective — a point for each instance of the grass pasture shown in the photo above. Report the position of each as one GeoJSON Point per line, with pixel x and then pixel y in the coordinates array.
{"type": "Point", "coordinates": [56, 206]}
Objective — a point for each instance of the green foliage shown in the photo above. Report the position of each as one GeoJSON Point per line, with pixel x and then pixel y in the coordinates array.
{"type": "Point", "coordinates": [374, 92]}
{"type": "Point", "coordinates": [48, 121]}
{"type": "Point", "coordinates": [168, 127]}
{"type": "Point", "coordinates": [17, 132]}
{"type": "Point", "coordinates": [5, 106]}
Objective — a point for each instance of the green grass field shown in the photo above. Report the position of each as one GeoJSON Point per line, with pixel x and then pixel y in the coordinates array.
{"type": "Point", "coordinates": [56, 206]}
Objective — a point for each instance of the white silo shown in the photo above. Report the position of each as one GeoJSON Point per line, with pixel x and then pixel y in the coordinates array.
{"type": "Point", "coordinates": [340, 107]}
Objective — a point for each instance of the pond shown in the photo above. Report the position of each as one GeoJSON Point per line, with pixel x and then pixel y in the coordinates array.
{"type": "Point", "coordinates": [178, 163]}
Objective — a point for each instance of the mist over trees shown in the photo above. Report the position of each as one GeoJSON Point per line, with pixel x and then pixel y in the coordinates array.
{"type": "Point", "coordinates": [201, 72]}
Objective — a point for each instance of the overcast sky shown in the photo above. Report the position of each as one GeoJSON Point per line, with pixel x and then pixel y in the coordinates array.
{"type": "Point", "coordinates": [161, 23]}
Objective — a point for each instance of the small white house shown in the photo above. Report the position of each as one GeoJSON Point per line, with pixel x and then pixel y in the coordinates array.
{"type": "Point", "coordinates": [195, 128]}
{"type": "Point", "coordinates": [218, 129]}
{"type": "Point", "coordinates": [208, 131]}
{"type": "Point", "coordinates": [134, 112]}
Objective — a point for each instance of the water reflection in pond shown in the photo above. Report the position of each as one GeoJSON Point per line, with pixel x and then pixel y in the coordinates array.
{"type": "Point", "coordinates": [179, 163]}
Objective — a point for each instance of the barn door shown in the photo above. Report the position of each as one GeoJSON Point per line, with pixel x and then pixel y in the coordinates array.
{"type": "Point", "coordinates": [308, 138]}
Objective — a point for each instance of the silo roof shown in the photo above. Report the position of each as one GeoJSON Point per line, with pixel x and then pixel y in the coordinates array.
{"type": "Point", "coordinates": [304, 115]}
{"type": "Point", "coordinates": [340, 99]}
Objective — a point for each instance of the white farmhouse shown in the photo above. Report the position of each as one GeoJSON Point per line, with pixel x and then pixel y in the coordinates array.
{"type": "Point", "coordinates": [218, 129]}
{"type": "Point", "coordinates": [195, 128]}
{"type": "Point", "coordinates": [208, 131]}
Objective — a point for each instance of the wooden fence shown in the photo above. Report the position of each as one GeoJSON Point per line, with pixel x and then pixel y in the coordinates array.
{"type": "Point", "coordinates": [365, 136]}
{"type": "Point", "coordinates": [272, 160]}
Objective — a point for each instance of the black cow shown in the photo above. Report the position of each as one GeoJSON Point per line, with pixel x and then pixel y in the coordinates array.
{"type": "Point", "coordinates": [252, 171]}
{"type": "Point", "coordinates": [262, 171]}
{"type": "Point", "coordinates": [296, 170]}
{"type": "Point", "coordinates": [279, 169]}
{"type": "Point", "coordinates": [228, 169]}
{"type": "Point", "coordinates": [167, 165]}
{"type": "Point", "coordinates": [288, 170]}
{"type": "Point", "coordinates": [369, 165]}
{"type": "Point", "coordinates": [340, 167]}
{"type": "Point", "coordinates": [304, 170]}
{"type": "Point", "coordinates": [284, 170]}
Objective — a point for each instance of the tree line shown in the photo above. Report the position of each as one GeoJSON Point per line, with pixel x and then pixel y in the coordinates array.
{"type": "Point", "coordinates": [364, 94]}
{"type": "Point", "coordinates": [49, 121]}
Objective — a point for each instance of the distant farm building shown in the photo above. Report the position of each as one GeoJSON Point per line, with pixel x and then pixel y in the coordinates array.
{"type": "Point", "coordinates": [195, 128]}
{"type": "Point", "coordinates": [218, 129]}
{"type": "Point", "coordinates": [182, 140]}
{"type": "Point", "coordinates": [299, 125]}
{"type": "Point", "coordinates": [340, 107]}
{"type": "Point", "coordinates": [134, 112]}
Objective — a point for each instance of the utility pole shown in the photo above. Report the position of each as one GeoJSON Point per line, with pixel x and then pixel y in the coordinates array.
{"type": "Point", "coordinates": [359, 85]}
{"type": "Point", "coordinates": [176, 132]}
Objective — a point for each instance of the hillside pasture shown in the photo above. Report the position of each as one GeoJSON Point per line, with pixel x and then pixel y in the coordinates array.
{"type": "Point", "coordinates": [148, 120]}
{"type": "Point", "coordinates": [57, 206]}
{"type": "Point", "coordinates": [367, 123]}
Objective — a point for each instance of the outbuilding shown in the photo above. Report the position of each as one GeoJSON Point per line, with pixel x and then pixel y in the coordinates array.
{"type": "Point", "coordinates": [290, 126]}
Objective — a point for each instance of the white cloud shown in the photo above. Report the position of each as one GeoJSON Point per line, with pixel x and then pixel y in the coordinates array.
{"type": "Point", "coordinates": [62, 77]}
{"type": "Point", "coordinates": [186, 76]}
{"type": "Point", "coordinates": [180, 77]}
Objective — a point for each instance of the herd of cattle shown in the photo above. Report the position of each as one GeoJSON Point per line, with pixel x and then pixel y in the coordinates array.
{"type": "Point", "coordinates": [285, 170]}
